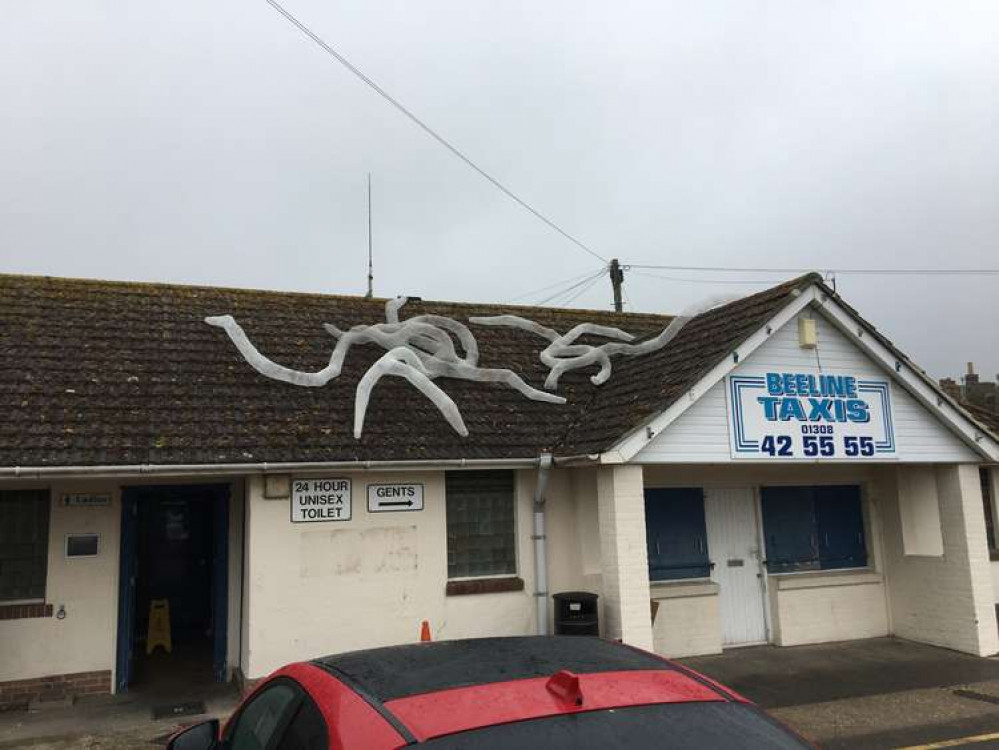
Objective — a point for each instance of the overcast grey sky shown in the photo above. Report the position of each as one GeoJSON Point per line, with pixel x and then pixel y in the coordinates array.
{"type": "Point", "coordinates": [211, 143]}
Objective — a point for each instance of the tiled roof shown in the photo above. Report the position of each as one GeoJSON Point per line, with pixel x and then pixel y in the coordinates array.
{"type": "Point", "coordinates": [987, 418]}
{"type": "Point", "coordinates": [641, 387]}
{"type": "Point", "coordinates": [109, 373]}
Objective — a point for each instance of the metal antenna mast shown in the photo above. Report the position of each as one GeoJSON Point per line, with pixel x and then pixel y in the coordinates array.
{"type": "Point", "coordinates": [371, 273]}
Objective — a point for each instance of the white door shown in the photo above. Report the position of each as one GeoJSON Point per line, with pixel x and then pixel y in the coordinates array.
{"type": "Point", "coordinates": [734, 548]}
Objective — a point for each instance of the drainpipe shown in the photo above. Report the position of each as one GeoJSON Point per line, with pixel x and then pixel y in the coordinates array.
{"type": "Point", "coordinates": [541, 543]}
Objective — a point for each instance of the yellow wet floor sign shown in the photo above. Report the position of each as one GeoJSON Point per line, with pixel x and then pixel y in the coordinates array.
{"type": "Point", "coordinates": [159, 625]}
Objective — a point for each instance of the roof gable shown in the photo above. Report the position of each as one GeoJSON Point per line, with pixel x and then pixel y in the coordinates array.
{"type": "Point", "coordinates": [702, 434]}
{"type": "Point", "coordinates": [645, 387]}
{"type": "Point", "coordinates": [924, 390]}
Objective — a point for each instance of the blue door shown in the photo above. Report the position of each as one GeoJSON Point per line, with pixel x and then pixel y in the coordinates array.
{"type": "Point", "coordinates": [128, 564]}
{"type": "Point", "coordinates": [220, 582]}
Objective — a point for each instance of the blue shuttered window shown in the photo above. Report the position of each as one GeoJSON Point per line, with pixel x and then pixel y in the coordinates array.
{"type": "Point", "coordinates": [675, 534]}
{"type": "Point", "coordinates": [789, 528]}
{"type": "Point", "coordinates": [813, 528]}
{"type": "Point", "coordinates": [839, 520]}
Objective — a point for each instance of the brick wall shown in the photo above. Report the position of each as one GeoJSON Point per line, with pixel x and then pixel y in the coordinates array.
{"type": "Point", "coordinates": [54, 687]}
{"type": "Point", "coordinates": [687, 625]}
{"type": "Point", "coordinates": [944, 600]}
{"type": "Point", "coordinates": [827, 608]}
{"type": "Point", "coordinates": [623, 555]}
{"type": "Point", "coordinates": [24, 611]}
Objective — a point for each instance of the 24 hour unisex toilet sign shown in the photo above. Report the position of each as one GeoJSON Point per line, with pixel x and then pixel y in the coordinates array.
{"type": "Point", "coordinates": [316, 500]}
{"type": "Point", "coordinates": [809, 416]}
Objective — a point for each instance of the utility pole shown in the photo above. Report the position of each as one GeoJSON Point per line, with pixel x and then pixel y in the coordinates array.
{"type": "Point", "coordinates": [616, 277]}
{"type": "Point", "coordinates": [371, 273]}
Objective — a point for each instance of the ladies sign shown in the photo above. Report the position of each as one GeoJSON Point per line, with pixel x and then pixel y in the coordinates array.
{"type": "Point", "coordinates": [794, 415]}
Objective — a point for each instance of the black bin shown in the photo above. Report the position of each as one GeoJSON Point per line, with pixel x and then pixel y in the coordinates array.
{"type": "Point", "coordinates": [576, 613]}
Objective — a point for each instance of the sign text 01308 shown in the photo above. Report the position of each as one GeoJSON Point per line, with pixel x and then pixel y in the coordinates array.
{"type": "Point", "coordinates": [317, 500]}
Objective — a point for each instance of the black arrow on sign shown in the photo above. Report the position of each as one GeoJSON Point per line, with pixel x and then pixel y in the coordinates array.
{"type": "Point", "coordinates": [394, 503]}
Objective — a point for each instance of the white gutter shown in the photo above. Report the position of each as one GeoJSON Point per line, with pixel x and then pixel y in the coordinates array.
{"type": "Point", "coordinates": [582, 459]}
{"type": "Point", "coordinates": [541, 543]}
{"type": "Point", "coordinates": [128, 470]}
{"type": "Point", "coordinates": [231, 469]}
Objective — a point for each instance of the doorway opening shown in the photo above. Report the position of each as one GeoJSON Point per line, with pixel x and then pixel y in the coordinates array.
{"type": "Point", "coordinates": [173, 598]}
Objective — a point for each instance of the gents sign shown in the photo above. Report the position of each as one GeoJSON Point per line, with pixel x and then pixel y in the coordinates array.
{"type": "Point", "coordinates": [315, 500]}
{"type": "Point", "coordinates": [795, 415]}
{"type": "Point", "coordinates": [383, 498]}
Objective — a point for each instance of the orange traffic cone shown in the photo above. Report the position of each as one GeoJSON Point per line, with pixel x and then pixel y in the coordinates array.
{"type": "Point", "coordinates": [425, 632]}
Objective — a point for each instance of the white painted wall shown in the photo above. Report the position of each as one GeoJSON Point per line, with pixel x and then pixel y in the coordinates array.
{"type": "Point", "coordinates": [626, 610]}
{"type": "Point", "coordinates": [919, 511]}
{"type": "Point", "coordinates": [85, 640]}
{"type": "Point", "coordinates": [945, 600]}
{"type": "Point", "coordinates": [314, 589]}
{"type": "Point", "coordinates": [87, 587]}
{"type": "Point", "coordinates": [701, 434]}
{"type": "Point", "coordinates": [309, 589]}
{"type": "Point", "coordinates": [687, 619]}
{"type": "Point", "coordinates": [573, 535]}
{"type": "Point", "coordinates": [828, 606]}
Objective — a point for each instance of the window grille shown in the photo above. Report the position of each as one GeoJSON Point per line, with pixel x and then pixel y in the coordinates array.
{"type": "Point", "coordinates": [481, 538]}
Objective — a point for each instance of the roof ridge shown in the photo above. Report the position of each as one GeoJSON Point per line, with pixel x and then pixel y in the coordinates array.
{"type": "Point", "coordinates": [568, 311]}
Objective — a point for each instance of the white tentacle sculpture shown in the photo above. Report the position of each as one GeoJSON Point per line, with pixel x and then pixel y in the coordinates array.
{"type": "Point", "coordinates": [563, 354]}
{"type": "Point", "coordinates": [421, 349]}
{"type": "Point", "coordinates": [418, 349]}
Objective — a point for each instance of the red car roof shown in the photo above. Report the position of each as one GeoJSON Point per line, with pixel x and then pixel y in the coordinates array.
{"type": "Point", "coordinates": [433, 689]}
{"type": "Point", "coordinates": [460, 709]}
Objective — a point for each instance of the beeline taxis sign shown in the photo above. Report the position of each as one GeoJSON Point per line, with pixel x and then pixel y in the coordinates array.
{"type": "Point", "coordinates": [810, 416]}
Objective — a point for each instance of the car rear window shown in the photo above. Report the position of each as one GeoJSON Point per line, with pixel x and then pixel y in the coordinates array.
{"type": "Point", "coordinates": [675, 726]}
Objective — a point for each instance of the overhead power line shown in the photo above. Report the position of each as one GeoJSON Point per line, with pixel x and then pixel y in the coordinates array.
{"type": "Point", "coordinates": [842, 271]}
{"type": "Point", "coordinates": [430, 131]}
{"type": "Point", "coordinates": [691, 280]}
{"type": "Point", "coordinates": [548, 287]}
{"type": "Point", "coordinates": [573, 298]}
{"type": "Point", "coordinates": [627, 299]}
{"type": "Point", "coordinates": [587, 280]}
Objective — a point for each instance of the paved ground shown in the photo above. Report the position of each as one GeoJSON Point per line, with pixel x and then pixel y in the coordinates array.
{"type": "Point", "coordinates": [864, 695]}
{"type": "Point", "coordinates": [108, 722]}
{"type": "Point", "coordinates": [881, 693]}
